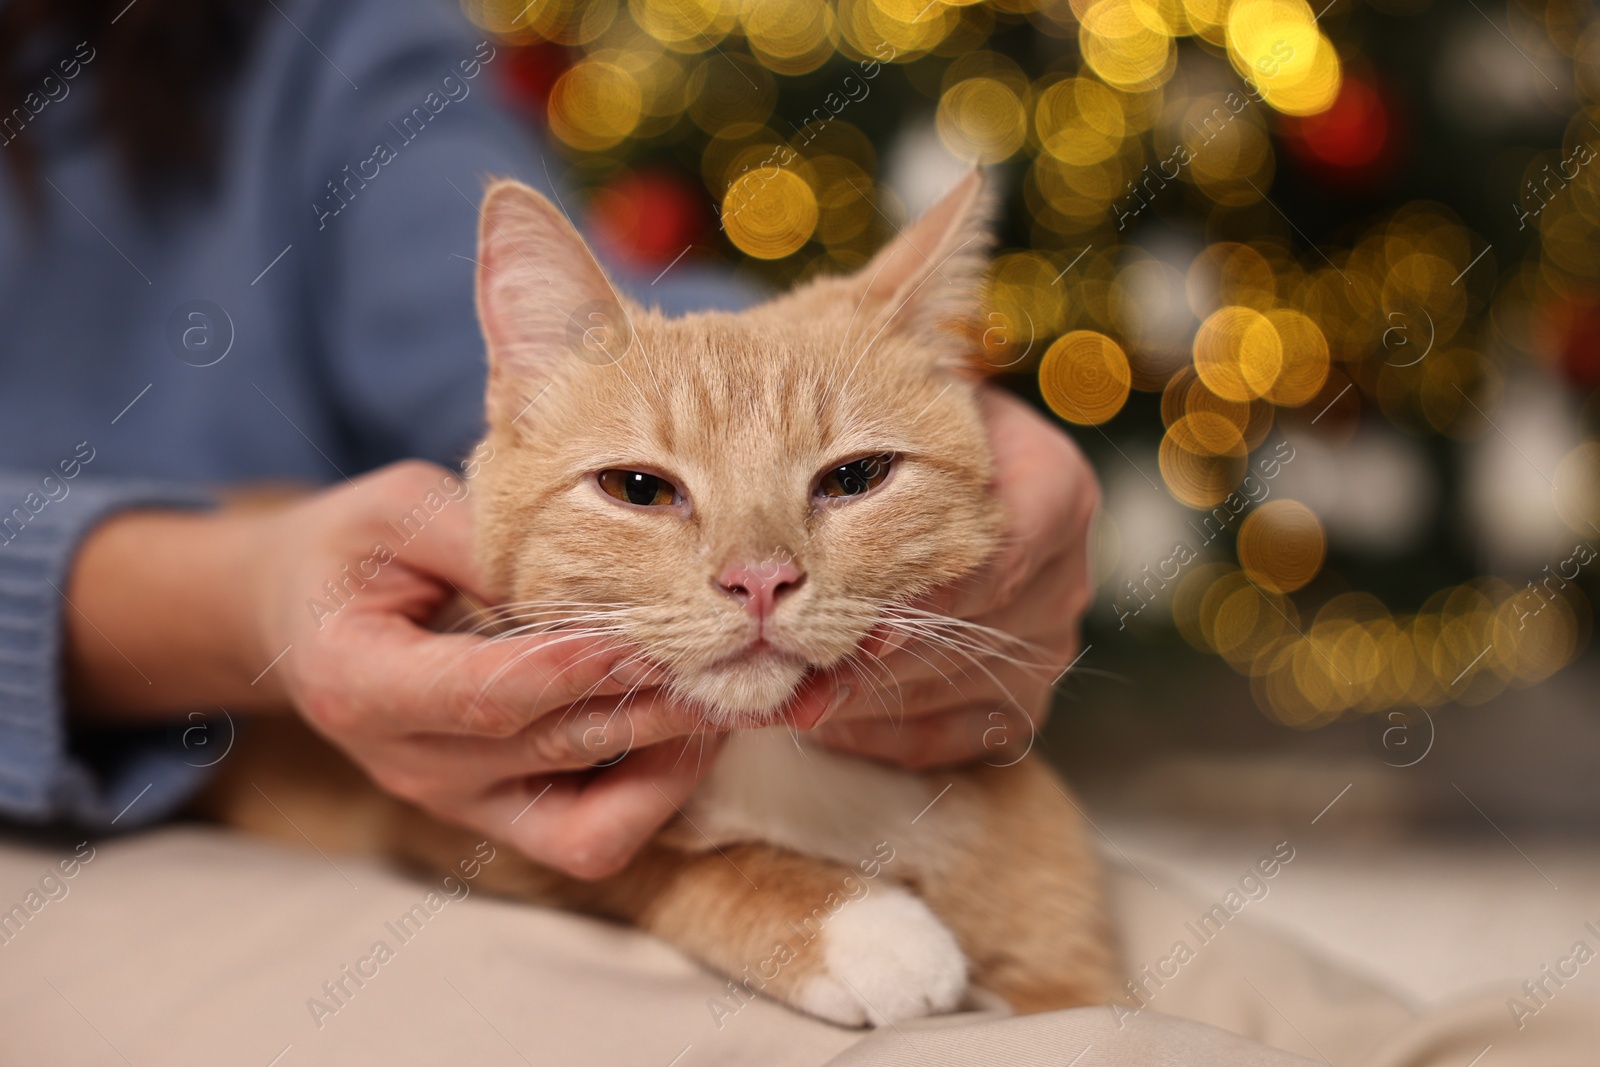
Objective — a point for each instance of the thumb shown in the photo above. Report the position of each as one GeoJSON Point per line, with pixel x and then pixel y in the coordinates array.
{"type": "Point", "coordinates": [423, 513]}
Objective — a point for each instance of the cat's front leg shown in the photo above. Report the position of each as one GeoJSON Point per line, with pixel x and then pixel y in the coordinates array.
{"type": "Point", "coordinates": [808, 932]}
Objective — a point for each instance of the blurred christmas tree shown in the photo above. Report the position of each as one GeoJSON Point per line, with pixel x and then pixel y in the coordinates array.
{"type": "Point", "coordinates": [1319, 290]}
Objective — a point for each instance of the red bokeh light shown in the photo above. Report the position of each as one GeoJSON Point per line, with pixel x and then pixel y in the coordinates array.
{"type": "Point", "coordinates": [1357, 139]}
{"type": "Point", "coordinates": [647, 218]}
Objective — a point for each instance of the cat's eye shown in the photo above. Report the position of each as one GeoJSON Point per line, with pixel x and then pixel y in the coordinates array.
{"type": "Point", "coordinates": [856, 477]}
{"type": "Point", "coordinates": [637, 487]}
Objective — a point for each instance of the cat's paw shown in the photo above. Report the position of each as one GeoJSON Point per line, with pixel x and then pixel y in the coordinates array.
{"type": "Point", "coordinates": [886, 957]}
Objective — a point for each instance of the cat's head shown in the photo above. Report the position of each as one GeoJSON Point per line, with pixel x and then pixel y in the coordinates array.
{"type": "Point", "coordinates": [741, 496]}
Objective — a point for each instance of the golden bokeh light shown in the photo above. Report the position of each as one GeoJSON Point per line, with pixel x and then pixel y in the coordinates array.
{"type": "Point", "coordinates": [910, 27]}
{"type": "Point", "coordinates": [790, 36]}
{"type": "Point", "coordinates": [1238, 353]}
{"type": "Point", "coordinates": [1194, 475]}
{"type": "Point", "coordinates": [594, 105]}
{"type": "Point", "coordinates": [1281, 545]}
{"type": "Point", "coordinates": [1277, 46]}
{"type": "Point", "coordinates": [1230, 273]}
{"type": "Point", "coordinates": [769, 213]}
{"type": "Point", "coordinates": [1123, 47]}
{"type": "Point", "coordinates": [1207, 19]}
{"type": "Point", "coordinates": [1305, 358]}
{"type": "Point", "coordinates": [1185, 395]}
{"type": "Point", "coordinates": [684, 25]}
{"type": "Point", "coordinates": [981, 120]}
{"type": "Point", "coordinates": [1024, 306]}
{"type": "Point", "coordinates": [1079, 121]}
{"type": "Point", "coordinates": [1084, 377]}
{"type": "Point", "coordinates": [1249, 623]}
{"type": "Point", "coordinates": [1188, 600]}
{"type": "Point", "coordinates": [1207, 434]}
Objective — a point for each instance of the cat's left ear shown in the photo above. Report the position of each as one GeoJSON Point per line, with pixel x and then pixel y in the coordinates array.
{"type": "Point", "coordinates": [926, 285]}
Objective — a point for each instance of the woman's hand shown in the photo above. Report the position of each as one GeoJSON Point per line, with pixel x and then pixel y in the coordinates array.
{"type": "Point", "coordinates": [324, 605]}
{"type": "Point", "coordinates": [473, 730]}
{"type": "Point", "coordinates": [944, 706]}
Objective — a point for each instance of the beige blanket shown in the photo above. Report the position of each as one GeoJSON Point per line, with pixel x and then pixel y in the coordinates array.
{"type": "Point", "coordinates": [188, 946]}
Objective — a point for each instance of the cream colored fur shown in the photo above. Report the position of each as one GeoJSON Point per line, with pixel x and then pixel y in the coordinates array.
{"type": "Point", "coordinates": [992, 881]}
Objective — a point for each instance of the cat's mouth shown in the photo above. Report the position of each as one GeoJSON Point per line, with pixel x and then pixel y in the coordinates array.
{"type": "Point", "coordinates": [757, 651]}
{"type": "Point", "coordinates": [748, 686]}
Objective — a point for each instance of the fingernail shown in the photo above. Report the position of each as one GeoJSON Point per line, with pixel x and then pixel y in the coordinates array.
{"type": "Point", "coordinates": [841, 695]}
{"type": "Point", "coordinates": [896, 640]}
{"type": "Point", "coordinates": [639, 674]}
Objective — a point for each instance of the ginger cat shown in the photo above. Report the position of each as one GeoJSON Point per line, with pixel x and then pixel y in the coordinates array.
{"type": "Point", "coordinates": [745, 496]}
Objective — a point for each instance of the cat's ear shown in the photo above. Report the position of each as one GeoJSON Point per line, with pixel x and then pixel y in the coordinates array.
{"type": "Point", "coordinates": [927, 283]}
{"type": "Point", "coordinates": [542, 298]}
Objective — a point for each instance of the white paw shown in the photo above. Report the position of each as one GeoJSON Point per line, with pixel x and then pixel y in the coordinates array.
{"type": "Point", "coordinates": [885, 958]}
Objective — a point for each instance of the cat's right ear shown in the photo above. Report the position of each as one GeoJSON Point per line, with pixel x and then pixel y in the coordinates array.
{"type": "Point", "coordinates": [542, 298]}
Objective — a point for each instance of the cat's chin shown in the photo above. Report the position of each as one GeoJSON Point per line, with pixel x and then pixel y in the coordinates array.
{"type": "Point", "coordinates": [745, 693]}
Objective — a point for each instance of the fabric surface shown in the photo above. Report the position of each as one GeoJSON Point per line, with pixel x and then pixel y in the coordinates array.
{"type": "Point", "coordinates": [191, 946]}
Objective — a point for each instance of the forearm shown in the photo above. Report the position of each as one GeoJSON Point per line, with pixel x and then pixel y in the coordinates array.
{"type": "Point", "coordinates": [161, 618]}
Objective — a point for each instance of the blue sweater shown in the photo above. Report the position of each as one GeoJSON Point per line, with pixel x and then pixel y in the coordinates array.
{"type": "Point", "coordinates": [308, 319]}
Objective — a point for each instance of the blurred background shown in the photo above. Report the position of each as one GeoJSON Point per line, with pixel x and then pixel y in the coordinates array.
{"type": "Point", "coordinates": [1317, 289]}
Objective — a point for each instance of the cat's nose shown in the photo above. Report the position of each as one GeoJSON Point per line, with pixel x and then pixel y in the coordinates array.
{"type": "Point", "coordinates": [759, 585]}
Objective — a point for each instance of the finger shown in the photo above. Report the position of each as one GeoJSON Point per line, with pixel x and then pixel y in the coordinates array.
{"type": "Point", "coordinates": [597, 733]}
{"type": "Point", "coordinates": [443, 548]}
{"type": "Point", "coordinates": [997, 735]}
{"type": "Point", "coordinates": [590, 826]}
{"type": "Point", "coordinates": [393, 677]}
{"type": "Point", "coordinates": [1047, 489]}
{"type": "Point", "coordinates": [417, 512]}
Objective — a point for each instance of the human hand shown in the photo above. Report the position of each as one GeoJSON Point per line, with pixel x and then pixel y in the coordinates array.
{"type": "Point", "coordinates": [946, 706]}
{"type": "Point", "coordinates": [513, 737]}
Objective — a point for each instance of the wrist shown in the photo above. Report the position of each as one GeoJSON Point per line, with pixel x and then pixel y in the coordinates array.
{"type": "Point", "coordinates": [163, 616]}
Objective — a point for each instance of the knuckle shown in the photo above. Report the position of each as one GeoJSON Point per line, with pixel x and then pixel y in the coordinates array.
{"type": "Point", "coordinates": [404, 782]}
{"type": "Point", "coordinates": [581, 858]}
{"type": "Point", "coordinates": [598, 737]}
{"type": "Point", "coordinates": [411, 474]}
{"type": "Point", "coordinates": [490, 714]}
{"type": "Point", "coordinates": [332, 712]}
{"type": "Point", "coordinates": [546, 746]}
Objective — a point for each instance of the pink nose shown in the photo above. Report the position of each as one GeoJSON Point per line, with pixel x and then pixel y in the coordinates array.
{"type": "Point", "coordinates": [759, 585]}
